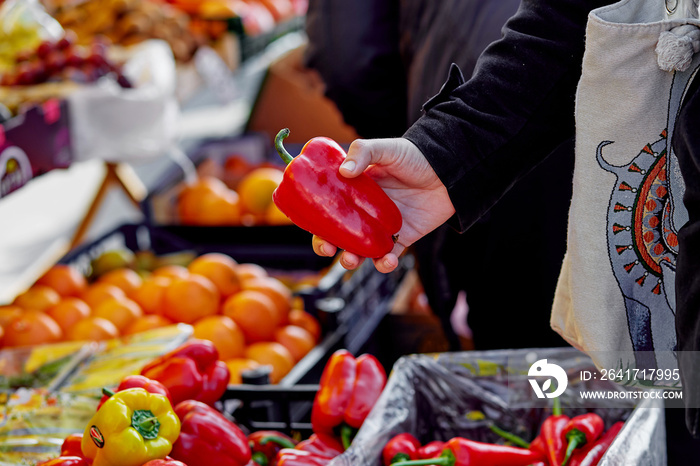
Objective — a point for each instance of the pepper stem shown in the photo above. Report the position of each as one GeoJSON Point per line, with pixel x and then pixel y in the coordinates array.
{"type": "Point", "coordinates": [145, 423]}
{"type": "Point", "coordinates": [447, 458]}
{"type": "Point", "coordinates": [576, 438]}
{"type": "Point", "coordinates": [556, 407]}
{"type": "Point", "coordinates": [107, 391]}
{"type": "Point", "coordinates": [281, 441]}
{"type": "Point", "coordinates": [512, 438]}
{"type": "Point", "coordinates": [259, 458]}
{"type": "Point", "coordinates": [286, 156]}
{"type": "Point", "coordinates": [346, 435]}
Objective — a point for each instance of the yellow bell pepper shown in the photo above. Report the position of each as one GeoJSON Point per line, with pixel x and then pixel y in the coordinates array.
{"type": "Point", "coordinates": [131, 428]}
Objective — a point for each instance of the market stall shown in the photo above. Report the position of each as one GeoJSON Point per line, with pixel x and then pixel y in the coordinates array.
{"type": "Point", "coordinates": [159, 297]}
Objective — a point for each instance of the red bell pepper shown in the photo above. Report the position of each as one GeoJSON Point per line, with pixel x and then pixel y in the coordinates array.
{"type": "Point", "coordinates": [191, 372]}
{"type": "Point", "coordinates": [348, 390]}
{"type": "Point", "coordinates": [65, 461]}
{"type": "Point", "coordinates": [265, 444]}
{"type": "Point", "coordinates": [71, 446]}
{"type": "Point", "coordinates": [139, 381]}
{"type": "Point", "coordinates": [295, 457]}
{"type": "Point", "coordinates": [207, 438]}
{"type": "Point", "coordinates": [400, 447]}
{"type": "Point", "coordinates": [431, 450]}
{"type": "Point", "coordinates": [354, 214]}
{"type": "Point", "coordinates": [592, 453]}
{"type": "Point", "coordinates": [460, 451]}
{"type": "Point", "coordinates": [581, 430]}
{"type": "Point", "coordinates": [317, 450]}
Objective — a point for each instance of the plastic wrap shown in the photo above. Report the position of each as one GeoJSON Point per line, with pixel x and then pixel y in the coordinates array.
{"type": "Point", "coordinates": [116, 124]}
{"type": "Point", "coordinates": [460, 394]}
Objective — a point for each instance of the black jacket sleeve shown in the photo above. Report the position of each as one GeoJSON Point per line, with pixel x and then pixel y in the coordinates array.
{"type": "Point", "coordinates": [484, 135]}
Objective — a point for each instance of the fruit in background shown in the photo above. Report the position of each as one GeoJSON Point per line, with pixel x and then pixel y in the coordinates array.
{"type": "Point", "coordinates": [37, 297]}
{"type": "Point", "coordinates": [272, 354]}
{"type": "Point", "coordinates": [68, 312]}
{"type": "Point", "coordinates": [64, 279]}
{"type": "Point", "coordinates": [220, 269]}
{"type": "Point", "coordinates": [151, 293]}
{"type": "Point", "coordinates": [32, 327]}
{"type": "Point", "coordinates": [147, 322]}
{"type": "Point", "coordinates": [9, 312]}
{"type": "Point", "coordinates": [256, 188]}
{"type": "Point", "coordinates": [191, 298]}
{"type": "Point", "coordinates": [97, 293]}
{"type": "Point", "coordinates": [93, 328]}
{"type": "Point", "coordinates": [193, 196]}
{"type": "Point", "coordinates": [296, 339]}
{"type": "Point", "coordinates": [121, 312]}
{"type": "Point", "coordinates": [274, 216]}
{"type": "Point", "coordinates": [224, 333]}
{"type": "Point", "coordinates": [126, 279]}
{"type": "Point", "coordinates": [281, 10]}
{"type": "Point", "coordinates": [255, 314]}
{"type": "Point", "coordinates": [276, 291]}
{"type": "Point", "coordinates": [303, 319]}
{"type": "Point", "coordinates": [172, 271]}
{"type": "Point", "coordinates": [112, 260]}
{"type": "Point", "coordinates": [239, 365]}
{"type": "Point", "coordinates": [248, 270]}
{"type": "Point", "coordinates": [218, 209]}
{"type": "Point", "coordinates": [235, 167]}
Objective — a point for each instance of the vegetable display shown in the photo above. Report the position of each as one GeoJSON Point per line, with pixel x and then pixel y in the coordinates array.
{"type": "Point", "coordinates": [354, 214]}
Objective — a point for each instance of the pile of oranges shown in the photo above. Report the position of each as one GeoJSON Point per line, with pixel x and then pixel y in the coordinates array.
{"type": "Point", "coordinates": [249, 315]}
{"type": "Point", "coordinates": [211, 201]}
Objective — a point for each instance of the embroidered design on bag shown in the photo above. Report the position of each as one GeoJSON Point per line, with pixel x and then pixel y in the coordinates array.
{"type": "Point", "coordinates": [642, 246]}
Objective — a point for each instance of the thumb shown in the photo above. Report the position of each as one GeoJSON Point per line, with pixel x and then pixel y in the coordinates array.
{"type": "Point", "coordinates": [362, 153]}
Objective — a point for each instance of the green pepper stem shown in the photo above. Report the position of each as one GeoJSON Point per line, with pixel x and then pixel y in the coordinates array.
{"type": "Point", "coordinates": [512, 438]}
{"type": "Point", "coordinates": [286, 156]}
{"type": "Point", "coordinates": [346, 435]}
{"type": "Point", "coordinates": [439, 461]}
{"type": "Point", "coordinates": [281, 441]}
{"type": "Point", "coordinates": [145, 423]}
{"type": "Point", "coordinates": [556, 407]}
{"type": "Point", "coordinates": [576, 438]}
{"type": "Point", "coordinates": [259, 458]}
{"type": "Point", "coordinates": [107, 391]}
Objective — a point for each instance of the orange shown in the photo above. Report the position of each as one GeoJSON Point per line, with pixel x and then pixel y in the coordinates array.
{"type": "Point", "coordinates": [189, 299]}
{"type": "Point", "coordinates": [64, 279]}
{"type": "Point", "coordinates": [68, 312]}
{"type": "Point", "coordinates": [247, 271]}
{"type": "Point", "coordinates": [122, 312]}
{"type": "Point", "coordinates": [126, 279]}
{"type": "Point", "coordinates": [147, 322]}
{"type": "Point", "coordinates": [150, 294]}
{"type": "Point", "coordinates": [38, 297]}
{"type": "Point", "coordinates": [32, 327]}
{"type": "Point", "coordinates": [308, 322]}
{"type": "Point", "coordinates": [276, 291]}
{"type": "Point", "coordinates": [2, 336]}
{"type": "Point", "coordinates": [189, 200]}
{"type": "Point", "coordinates": [93, 328]}
{"type": "Point", "coordinates": [274, 216]}
{"type": "Point", "coordinates": [297, 340]}
{"type": "Point", "coordinates": [226, 335]}
{"type": "Point", "coordinates": [255, 189]}
{"type": "Point", "coordinates": [97, 293]}
{"type": "Point", "coordinates": [217, 209]}
{"type": "Point", "coordinates": [273, 354]}
{"type": "Point", "coordinates": [171, 271]}
{"type": "Point", "coordinates": [254, 313]}
{"type": "Point", "coordinates": [9, 312]}
{"type": "Point", "coordinates": [220, 269]}
{"type": "Point", "coordinates": [237, 365]}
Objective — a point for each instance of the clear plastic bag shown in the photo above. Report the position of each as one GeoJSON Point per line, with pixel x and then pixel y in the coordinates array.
{"type": "Point", "coordinates": [437, 397]}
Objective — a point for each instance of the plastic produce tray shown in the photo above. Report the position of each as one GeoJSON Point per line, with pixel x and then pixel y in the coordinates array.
{"type": "Point", "coordinates": [431, 395]}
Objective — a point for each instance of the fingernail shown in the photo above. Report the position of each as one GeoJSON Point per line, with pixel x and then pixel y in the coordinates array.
{"type": "Point", "coordinates": [325, 250]}
{"type": "Point", "coordinates": [348, 165]}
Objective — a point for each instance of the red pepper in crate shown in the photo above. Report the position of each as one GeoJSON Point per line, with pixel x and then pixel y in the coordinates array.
{"type": "Point", "coordinates": [581, 430]}
{"type": "Point", "coordinates": [431, 450]}
{"type": "Point", "coordinates": [139, 381]}
{"type": "Point", "coordinates": [265, 444]}
{"type": "Point", "coordinates": [348, 390]}
{"type": "Point", "coordinates": [460, 451]}
{"type": "Point", "coordinates": [71, 446]}
{"type": "Point", "coordinates": [317, 450]}
{"type": "Point", "coordinates": [354, 214]}
{"type": "Point", "coordinates": [401, 447]}
{"type": "Point", "coordinates": [207, 438]}
{"type": "Point", "coordinates": [192, 371]}
{"type": "Point", "coordinates": [294, 457]}
{"type": "Point", "coordinates": [165, 462]}
{"type": "Point", "coordinates": [592, 453]}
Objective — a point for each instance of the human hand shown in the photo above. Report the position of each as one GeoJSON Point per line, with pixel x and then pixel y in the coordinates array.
{"type": "Point", "coordinates": [402, 171]}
